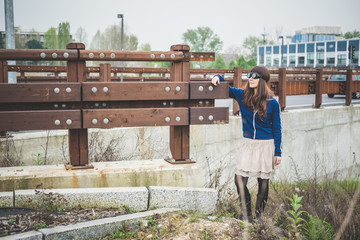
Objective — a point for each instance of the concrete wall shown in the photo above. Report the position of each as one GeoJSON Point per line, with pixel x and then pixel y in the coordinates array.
{"type": "Point", "coordinates": [314, 140]}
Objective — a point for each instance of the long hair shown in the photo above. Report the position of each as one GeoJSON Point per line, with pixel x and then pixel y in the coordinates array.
{"type": "Point", "coordinates": [259, 100]}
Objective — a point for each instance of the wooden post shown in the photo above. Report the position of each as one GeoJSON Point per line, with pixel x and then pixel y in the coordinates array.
{"type": "Point", "coordinates": [348, 91]}
{"type": "Point", "coordinates": [180, 135]}
{"type": "Point", "coordinates": [3, 79]}
{"type": "Point", "coordinates": [105, 72]}
{"type": "Point", "coordinates": [237, 84]}
{"type": "Point", "coordinates": [282, 88]}
{"type": "Point", "coordinates": [78, 138]}
{"type": "Point", "coordinates": [319, 88]}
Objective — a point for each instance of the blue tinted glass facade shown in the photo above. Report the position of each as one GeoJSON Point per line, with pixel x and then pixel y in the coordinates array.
{"type": "Point", "coordinates": [330, 46]}
{"type": "Point", "coordinates": [301, 48]}
{"type": "Point", "coordinates": [261, 50]}
{"type": "Point", "coordinates": [320, 47]}
{"type": "Point", "coordinates": [354, 43]}
{"type": "Point", "coordinates": [310, 47]}
{"type": "Point", "coordinates": [285, 48]}
{"type": "Point", "coordinates": [268, 50]}
{"type": "Point", "coordinates": [341, 46]}
{"type": "Point", "coordinates": [292, 48]}
{"type": "Point", "coordinates": [276, 49]}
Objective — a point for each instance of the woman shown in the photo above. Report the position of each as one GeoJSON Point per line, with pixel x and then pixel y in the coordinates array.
{"type": "Point", "coordinates": [261, 150]}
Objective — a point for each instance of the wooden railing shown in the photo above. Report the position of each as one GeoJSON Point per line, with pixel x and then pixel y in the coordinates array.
{"type": "Point", "coordinates": [74, 103]}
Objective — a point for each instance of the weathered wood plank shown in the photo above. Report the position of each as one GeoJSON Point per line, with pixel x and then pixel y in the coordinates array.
{"type": "Point", "coordinates": [96, 55]}
{"type": "Point", "coordinates": [135, 91]}
{"type": "Point", "coordinates": [134, 117]}
{"type": "Point", "coordinates": [209, 115]}
{"type": "Point", "coordinates": [36, 54]}
{"type": "Point", "coordinates": [35, 120]}
{"type": "Point", "coordinates": [205, 90]}
{"type": "Point", "coordinates": [39, 92]}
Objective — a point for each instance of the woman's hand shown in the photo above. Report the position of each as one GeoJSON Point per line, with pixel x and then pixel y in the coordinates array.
{"type": "Point", "coordinates": [277, 160]}
{"type": "Point", "coordinates": [215, 80]}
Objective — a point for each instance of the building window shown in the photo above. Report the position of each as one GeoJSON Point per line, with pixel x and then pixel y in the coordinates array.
{"type": "Point", "coordinates": [310, 59]}
{"type": "Point", "coordinates": [341, 59]}
{"type": "Point", "coordinates": [284, 61]}
{"type": "Point", "coordinates": [320, 58]}
{"type": "Point", "coordinates": [330, 60]}
{"type": "Point", "coordinates": [276, 62]}
{"type": "Point", "coordinates": [292, 60]}
{"type": "Point", "coordinates": [268, 61]}
{"type": "Point", "coordinates": [261, 59]}
{"type": "Point", "coordinates": [355, 60]}
{"type": "Point", "coordinates": [268, 50]}
{"type": "Point", "coordinates": [301, 60]}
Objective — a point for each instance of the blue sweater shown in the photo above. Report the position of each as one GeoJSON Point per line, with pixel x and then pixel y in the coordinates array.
{"type": "Point", "coordinates": [254, 127]}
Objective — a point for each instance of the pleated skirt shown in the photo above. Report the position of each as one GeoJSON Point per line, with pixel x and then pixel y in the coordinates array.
{"type": "Point", "coordinates": [255, 158]}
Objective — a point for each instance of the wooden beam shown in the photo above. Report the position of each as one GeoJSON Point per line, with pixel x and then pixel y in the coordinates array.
{"type": "Point", "coordinates": [100, 55]}
{"type": "Point", "coordinates": [282, 88]}
{"type": "Point", "coordinates": [205, 90]}
{"type": "Point", "coordinates": [209, 115]}
{"type": "Point", "coordinates": [38, 54]}
{"type": "Point", "coordinates": [348, 90]}
{"type": "Point", "coordinates": [319, 88]}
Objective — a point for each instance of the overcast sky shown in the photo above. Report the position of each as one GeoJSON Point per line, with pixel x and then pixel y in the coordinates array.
{"type": "Point", "coordinates": [161, 23]}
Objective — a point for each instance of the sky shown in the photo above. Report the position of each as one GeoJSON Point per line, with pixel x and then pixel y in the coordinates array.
{"type": "Point", "coordinates": [161, 23]}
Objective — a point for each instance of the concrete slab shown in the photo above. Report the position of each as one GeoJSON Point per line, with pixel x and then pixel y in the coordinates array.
{"type": "Point", "coordinates": [136, 198]}
{"type": "Point", "coordinates": [99, 228]}
{"type": "Point", "coordinates": [193, 199]}
{"type": "Point", "coordinates": [105, 174]}
{"type": "Point", "coordinates": [32, 235]}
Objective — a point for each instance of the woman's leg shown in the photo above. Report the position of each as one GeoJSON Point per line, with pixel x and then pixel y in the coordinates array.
{"type": "Point", "coordinates": [262, 196]}
{"type": "Point", "coordinates": [244, 194]}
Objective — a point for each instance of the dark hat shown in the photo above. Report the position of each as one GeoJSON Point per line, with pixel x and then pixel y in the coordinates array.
{"type": "Point", "coordinates": [262, 71]}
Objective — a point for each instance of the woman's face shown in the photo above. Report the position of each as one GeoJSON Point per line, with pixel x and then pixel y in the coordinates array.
{"type": "Point", "coordinates": [253, 83]}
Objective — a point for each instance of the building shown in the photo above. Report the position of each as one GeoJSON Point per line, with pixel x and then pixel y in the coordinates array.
{"type": "Point", "coordinates": [311, 47]}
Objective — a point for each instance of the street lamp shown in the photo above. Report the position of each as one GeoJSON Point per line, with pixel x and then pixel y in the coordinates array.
{"type": "Point", "coordinates": [282, 50]}
{"type": "Point", "coordinates": [122, 37]}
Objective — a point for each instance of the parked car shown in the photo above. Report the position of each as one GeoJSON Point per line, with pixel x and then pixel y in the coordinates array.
{"type": "Point", "coordinates": [342, 77]}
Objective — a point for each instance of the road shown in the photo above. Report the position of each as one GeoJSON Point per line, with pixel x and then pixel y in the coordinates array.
{"type": "Point", "coordinates": [299, 101]}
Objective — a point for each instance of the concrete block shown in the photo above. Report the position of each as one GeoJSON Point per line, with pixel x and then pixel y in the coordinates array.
{"type": "Point", "coordinates": [32, 235]}
{"type": "Point", "coordinates": [136, 198]}
{"type": "Point", "coordinates": [193, 199]}
{"type": "Point", "coordinates": [98, 228]}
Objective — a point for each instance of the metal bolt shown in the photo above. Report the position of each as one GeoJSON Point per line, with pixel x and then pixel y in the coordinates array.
{"type": "Point", "coordinates": [167, 89]}
{"type": "Point", "coordinates": [66, 55]}
{"type": "Point", "coordinates": [201, 56]}
{"type": "Point", "coordinates": [178, 88]}
{"type": "Point", "coordinates": [42, 55]}
{"type": "Point", "coordinates": [56, 90]}
{"type": "Point", "coordinates": [68, 122]}
{"type": "Point", "coordinates": [112, 55]}
{"type": "Point", "coordinates": [54, 55]}
{"type": "Point", "coordinates": [211, 88]}
{"type": "Point", "coordinates": [211, 117]}
{"type": "Point", "coordinates": [164, 103]}
{"type": "Point", "coordinates": [201, 118]}
{"type": "Point", "coordinates": [56, 105]}
{"type": "Point", "coordinates": [105, 89]}
{"type": "Point", "coordinates": [192, 56]}
{"type": "Point", "coordinates": [57, 122]}
{"type": "Point", "coordinates": [106, 121]}
{"type": "Point", "coordinates": [94, 121]}
{"type": "Point", "coordinates": [152, 56]}
{"type": "Point", "coordinates": [201, 88]}
{"type": "Point", "coordinates": [172, 55]}
{"type": "Point", "coordinates": [94, 89]}
{"type": "Point", "coordinates": [200, 102]}
{"type": "Point", "coordinates": [97, 104]}
{"type": "Point", "coordinates": [68, 90]}
{"type": "Point", "coordinates": [104, 104]}
{"type": "Point", "coordinates": [177, 119]}
{"type": "Point", "coordinates": [64, 105]}
{"type": "Point", "coordinates": [162, 55]}
{"type": "Point", "coordinates": [167, 119]}
{"type": "Point", "coordinates": [102, 55]}
{"type": "Point", "coordinates": [207, 102]}
{"type": "Point", "coordinates": [171, 103]}
{"type": "Point", "coordinates": [91, 55]}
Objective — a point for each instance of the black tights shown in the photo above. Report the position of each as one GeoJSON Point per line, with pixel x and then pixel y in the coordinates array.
{"type": "Point", "coordinates": [243, 191]}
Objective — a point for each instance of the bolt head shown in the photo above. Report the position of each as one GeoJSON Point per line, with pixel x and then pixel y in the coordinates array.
{"type": "Point", "coordinates": [211, 88]}
{"type": "Point", "coordinates": [164, 103]}
{"type": "Point", "coordinates": [68, 122]}
{"type": "Point", "coordinates": [104, 104]}
{"type": "Point", "coordinates": [57, 122]}
{"type": "Point", "coordinates": [201, 88]}
{"type": "Point", "coordinates": [167, 89]}
{"type": "Point", "coordinates": [54, 55]}
{"type": "Point", "coordinates": [106, 121]}
{"type": "Point", "coordinates": [162, 55]}
{"type": "Point", "coordinates": [97, 104]}
{"type": "Point", "coordinates": [68, 90]}
{"type": "Point", "coordinates": [66, 55]}
{"type": "Point", "coordinates": [91, 55]}
{"type": "Point", "coordinates": [102, 55]}
{"type": "Point", "coordinates": [94, 121]}
{"type": "Point", "coordinates": [177, 119]}
{"type": "Point", "coordinates": [94, 89]}
{"type": "Point", "coordinates": [201, 118]}
{"type": "Point", "coordinates": [56, 105]}
{"type": "Point", "coordinates": [200, 102]}
{"type": "Point", "coordinates": [42, 55]}
{"type": "Point", "coordinates": [105, 89]}
{"type": "Point", "coordinates": [178, 88]}
{"type": "Point", "coordinates": [172, 56]}
{"type": "Point", "coordinates": [167, 119]}
{"type": "Point", "coordinates": [152, 56]}
{"type": "Point", "coordinates": [211, 117]}
{"type": "Point", "coordinates": [56, 90]}
{"type": "Point", "coordinates": [64, 105]}
{"type": "Point", "coordinates": [112, 55]}
{"type": "Point", "coordinates": [171, 103]}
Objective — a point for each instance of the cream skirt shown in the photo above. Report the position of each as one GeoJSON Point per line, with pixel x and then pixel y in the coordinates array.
{"type": "Point", "coordinates": [255, 158]}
